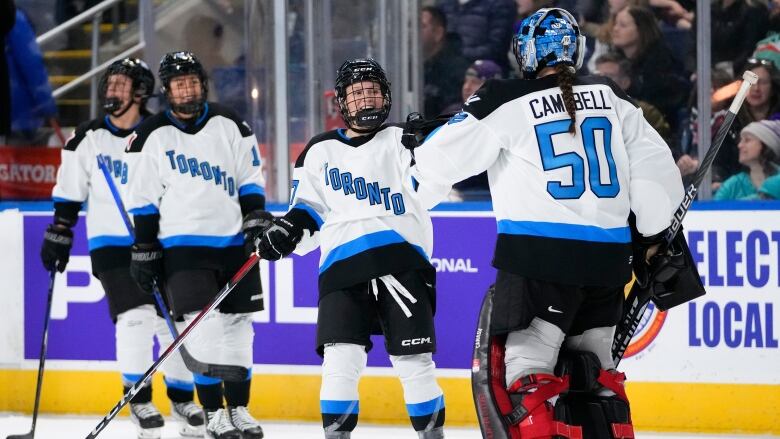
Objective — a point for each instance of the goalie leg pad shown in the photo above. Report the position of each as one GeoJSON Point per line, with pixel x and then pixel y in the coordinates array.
{"type": "Point", "coordinates": [596, 399]}
{"type": "Point", "coordinates": [500, 411]}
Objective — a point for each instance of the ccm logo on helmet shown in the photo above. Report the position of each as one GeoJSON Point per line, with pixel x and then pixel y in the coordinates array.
{"type": "Point", "coordinates": [416, 341]}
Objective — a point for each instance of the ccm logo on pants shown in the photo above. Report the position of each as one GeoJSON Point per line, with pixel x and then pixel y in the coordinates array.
{"type": "Point", "coordinates": [415, 341]}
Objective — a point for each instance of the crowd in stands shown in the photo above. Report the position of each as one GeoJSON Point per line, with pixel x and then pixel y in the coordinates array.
{"type": "Point", "coordinates": [648, 48]}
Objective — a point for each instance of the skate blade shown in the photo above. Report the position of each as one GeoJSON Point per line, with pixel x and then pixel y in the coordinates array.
{"type": "Point", "coordinates": [150, 433]}
{"type": "Point", "coordinates": [192, 431]}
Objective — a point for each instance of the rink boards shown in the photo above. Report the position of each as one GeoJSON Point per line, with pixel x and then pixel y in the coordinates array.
{"type": "Point", "coordinates": [710, 365]}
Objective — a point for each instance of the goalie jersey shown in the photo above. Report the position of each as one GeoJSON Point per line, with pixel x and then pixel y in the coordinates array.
{"type": "Point", "coordinates": [361, 195]}
{"type": "Point", "coordinates": [561, 201]}
{"type": "Point", "coordinates": [80, 179]}
{"type": "Point", "coordinates": [189, 185]}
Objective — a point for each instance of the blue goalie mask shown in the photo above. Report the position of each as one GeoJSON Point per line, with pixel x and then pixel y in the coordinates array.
{"type": "Point", "coordinates": [547, 38]}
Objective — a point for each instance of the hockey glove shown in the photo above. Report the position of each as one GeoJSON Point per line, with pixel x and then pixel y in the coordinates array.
{"type": "Point", "coordinates": [255, 223]}
{"type": "Point", "coordinates": [146, 265]}
{"type": "Point", "coordinates": [413, 130]}
{"type": "Point", "coordinates": [279, 240]}
{"type": "Point", "coordinates": [55, 251]}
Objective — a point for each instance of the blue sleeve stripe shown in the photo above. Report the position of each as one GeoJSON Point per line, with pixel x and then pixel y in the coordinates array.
{"type": "Point", "coordinates": [202, 241]}
{"type": "Point", "coordinates": [251, 188]}
{"type": "Point", "coordinates": [312, 213]}
{"type": "Point", "coordinates": [436, 130]}
{"type": "Point", "coordinates": [149, 209]}
{"type": "Point", "coordinates": [179, 384]}
{"type": "Point", "coordinates": [364, 243]}
{"type": "Point", "coordinates": [203, 379]}
{"type": "Point", "coordinates": [426, 408]}
{"type": "Point", "coordinates": [339, 407]}
{"type": "Point", "coordinates": [97, 242]}
{"type": "Point", "coordinates": [577, 232]}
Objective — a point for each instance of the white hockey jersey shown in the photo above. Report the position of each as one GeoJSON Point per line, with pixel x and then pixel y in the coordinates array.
{"type": "Point", "coordinates": [196, 177]}
{"type": "Point", "coordinates": [80, 179]}
{"type": "Point", "coordinates": [561, 201]}
{"type": "Point", "coordinates": [361, 196]}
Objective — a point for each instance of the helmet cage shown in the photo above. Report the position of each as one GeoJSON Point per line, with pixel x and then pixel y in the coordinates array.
{"type": "Point", "coordinates": [142, 85]}
{"type": "Point", "coordinates": [356, 71]}
{"type": "Point", "coordinates": [183, 63]}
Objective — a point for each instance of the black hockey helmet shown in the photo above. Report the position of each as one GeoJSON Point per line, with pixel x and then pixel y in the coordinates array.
{"type": "Point", "coordinates": [142, 82]}
{"type": "Point", "coordinates": [357, 70]}
{"type": "Point", "coordinates": [182, 63]}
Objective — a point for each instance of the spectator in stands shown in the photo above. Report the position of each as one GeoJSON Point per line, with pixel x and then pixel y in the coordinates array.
{"type": "Point", "coordinates": [7, 18]}
{"type": "Point", "coordinates": [774, 16]}
{"type": "Point", "coordinates": [475, 187]}
{"type": "Point", "coordinates": [656, 76]}
{"type": "Point", "coordinates": [484, 26]}
{"type": "Point", "coordinates": [443, 64]}
{"type": "Point", "coordinates": [737, 25]}
{"type": "Point", "coordinates": [618, 69]}
{"type": "Point", "coordinates": [759, 149]}
{"type": "Point", "coordinates": [32, 102]}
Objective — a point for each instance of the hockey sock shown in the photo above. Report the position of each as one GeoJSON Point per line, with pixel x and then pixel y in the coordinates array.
{"type": "Point", "coordinates": [210, 395]}
{"type": "Point", "coordinates": [422, 394]}
{"type": "Point", "coordinates": [179, 391]}
{"type": "Point", "coordinates": [341, 368]}
{"type": "Point", "coordinates": [237, 392]}
{"type": "Point", "coordinates": [144, 395]}
{"type": "Point", "coordinates": [339, 421]}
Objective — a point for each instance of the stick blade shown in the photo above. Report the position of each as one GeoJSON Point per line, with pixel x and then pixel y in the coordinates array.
{"type": "Point", "coordinates": [228, 373]}
{"type": "Point", "coordinates": [28, 435]}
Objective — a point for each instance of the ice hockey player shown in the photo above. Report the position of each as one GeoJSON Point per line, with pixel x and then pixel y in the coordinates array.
{"type": "Point", "coordinates": [124, 90]}
{"type": "Point", "coordinates": [195, 172]}
{"type": "Point", "coordinates": [568, 158]}
{"type": "Point", "coordinates": [355, 187]}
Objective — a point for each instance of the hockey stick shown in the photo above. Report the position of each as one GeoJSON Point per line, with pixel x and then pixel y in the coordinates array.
{"type": "Point", "coordinates": [639, 296]}
{"type": "Point", "coordinates": [41, 362]}
{"type": "Point", "coordinates": [240, 274]}
{"type": "Point", "coordinates": [222, 371]}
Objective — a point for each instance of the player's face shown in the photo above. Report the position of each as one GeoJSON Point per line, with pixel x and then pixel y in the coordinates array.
{"type": "Point", "coordinates": [624, 32]}
{"type": "Point", "coordinates": [363, 95]}
{"type": "Point", "coordinates": [759, 94]}
{"type": "Point", "coordinates": [120, 87]}
{"type": "Point", "coordinates": [470, 86]}
{"type": "Point", "coordinates": [184, 89]}
{"type": "Point", "coordinates": [749, 149]}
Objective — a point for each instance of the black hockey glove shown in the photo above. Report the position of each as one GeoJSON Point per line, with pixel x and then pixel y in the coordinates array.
{"type": "Point", "coordinates": [146, 265]}
{"type": "Point", "coordinates": [411, 137]}
{"type": "Point", "coordinates": [55, 251]}
{"type": "Point", "coordinates": [255, 223]}
{"type": "Point", "coordinates": [279, 240]}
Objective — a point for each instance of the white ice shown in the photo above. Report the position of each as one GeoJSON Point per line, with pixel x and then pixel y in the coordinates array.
{"type": "Point", "coordinates": [66, 427]}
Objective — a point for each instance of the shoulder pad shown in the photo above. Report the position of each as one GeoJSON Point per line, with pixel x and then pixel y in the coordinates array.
{"type": "Point", "coordinates": [146, 128]}
{"type": "Point", "coordinates": [220, 110]}
{"type": "Point", "coordinates": [81, 132]}
{"type": "Point", "coordinates": [327, 135]}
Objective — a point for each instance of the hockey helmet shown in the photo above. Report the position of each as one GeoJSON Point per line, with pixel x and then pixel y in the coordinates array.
{"type": "Point", "coordinates": [354, 71]}
{"type": "Point", "coordinates": [175, 64]}
{"type": "Point", "coordinates": [142, 80]}
{"type": "Point", "coordinates": [550, 36]}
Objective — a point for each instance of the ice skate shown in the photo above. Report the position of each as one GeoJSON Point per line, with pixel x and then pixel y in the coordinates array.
{"type": "Point", "coordinates": [191, 417]}
{"type": "Point", "coordinates": [147, 419]}
{"type": "Point", "coordinates": [245, 423]}
{"type": "Point", "coordinates": [219, 426]}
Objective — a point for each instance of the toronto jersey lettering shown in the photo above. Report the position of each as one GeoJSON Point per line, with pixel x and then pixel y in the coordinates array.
{"type": "Point", "coordinates": [80, 179]}
{"type": "Point", "coordinates": [197, 177]}
{"type": "Point", "coordinates": [361, 195]}
{"type": "Point", "coordinates": [561, 201]}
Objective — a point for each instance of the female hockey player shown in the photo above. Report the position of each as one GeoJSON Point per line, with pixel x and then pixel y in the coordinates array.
{"type": "Point", "coordinates": [194, 173]}
{"type": "Point", "coordinates": [355, 187]}
{"type": "Point", "coordinates": [568, 158]}
{"type": "Point", "coordinates": [124, 89]}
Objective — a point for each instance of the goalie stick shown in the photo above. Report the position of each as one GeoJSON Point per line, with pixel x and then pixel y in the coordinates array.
{"type": "Point", "coordinates": [240, 274]}
{"type": "Point", "coordinates": [639, 296]}
{"type": "Point", "coordinates": [222, 371]}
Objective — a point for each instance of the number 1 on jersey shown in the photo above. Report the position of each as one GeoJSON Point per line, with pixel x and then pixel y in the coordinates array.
{"type": "Point", "coordinates": [551, 161]}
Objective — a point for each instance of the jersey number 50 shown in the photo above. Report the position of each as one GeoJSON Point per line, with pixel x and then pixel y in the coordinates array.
{"type": "Point", "coordinates": [551, 161]}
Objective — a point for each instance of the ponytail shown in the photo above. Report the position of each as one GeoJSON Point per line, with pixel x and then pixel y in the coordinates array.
{"type": "Point", "coordinates": [566, 78]}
